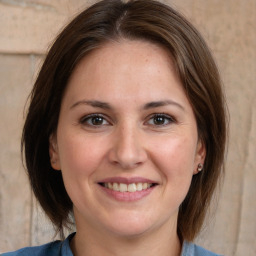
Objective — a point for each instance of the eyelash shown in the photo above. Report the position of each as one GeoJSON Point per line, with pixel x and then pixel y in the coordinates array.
{"type": "Point", "coordinates": [85, 120]}
{"type": "Point", "coordinates": [167, 117]}
{"type": "Point", "coordinates": [88, 120]}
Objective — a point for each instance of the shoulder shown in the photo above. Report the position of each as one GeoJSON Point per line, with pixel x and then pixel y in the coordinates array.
{"type": "Point", "coordinates": [190, 249]}
{"type": "Point", "coordinates": [57, 248]}
{"type": "Point", "coordinates": [46, 249]}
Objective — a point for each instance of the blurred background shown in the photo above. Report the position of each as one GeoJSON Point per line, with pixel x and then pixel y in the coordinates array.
{"type": "Point", "coordinates": [27, 29]}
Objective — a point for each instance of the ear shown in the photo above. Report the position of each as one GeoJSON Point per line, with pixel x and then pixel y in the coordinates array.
{"type": "Point", "coordinates": [200, 155]}
{"type": "Point", "coordinates": [54, 152]}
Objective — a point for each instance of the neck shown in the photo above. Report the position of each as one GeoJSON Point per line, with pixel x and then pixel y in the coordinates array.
{"type": "Point", "coordinates": [163, 242]}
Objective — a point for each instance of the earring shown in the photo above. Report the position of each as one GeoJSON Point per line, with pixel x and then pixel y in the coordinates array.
{"type": "Point", "coordinates": [200, 167]}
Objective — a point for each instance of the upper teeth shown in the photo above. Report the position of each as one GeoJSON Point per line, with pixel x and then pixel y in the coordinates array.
{"type": "Point", "coordinates": [133, 187]}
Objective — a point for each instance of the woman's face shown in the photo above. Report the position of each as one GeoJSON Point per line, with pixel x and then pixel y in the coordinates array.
{"type": "Point", "coordinates": [126, 124]}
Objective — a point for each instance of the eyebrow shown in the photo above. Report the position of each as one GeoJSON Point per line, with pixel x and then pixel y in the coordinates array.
{"type": "Point", "coordinates": [93, 103]}
{"type": "Point", "coordinates": [156, 104]}
{"type": "Point", "coordinates": [104, 105]}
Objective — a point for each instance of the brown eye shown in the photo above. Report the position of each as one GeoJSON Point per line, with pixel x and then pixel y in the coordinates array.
{"type": "Point", "coordinates": [97, 120]}
{"type": "Point", "coordinates": [160, 120]}
{"type": "Point", "coordinates": [94, 120]}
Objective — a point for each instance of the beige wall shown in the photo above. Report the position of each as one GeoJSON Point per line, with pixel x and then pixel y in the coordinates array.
{"type": "Point", "coordinates": [26, 29]}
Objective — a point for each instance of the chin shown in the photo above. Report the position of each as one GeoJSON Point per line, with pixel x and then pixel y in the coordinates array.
{"type": "Point", "coordinates": [129, 232]}
{"type": "Point", "coordinates": [130, 228]}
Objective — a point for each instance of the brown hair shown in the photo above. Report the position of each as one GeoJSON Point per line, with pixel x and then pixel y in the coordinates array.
{"type": "Point", "coordinates": [135, 20]}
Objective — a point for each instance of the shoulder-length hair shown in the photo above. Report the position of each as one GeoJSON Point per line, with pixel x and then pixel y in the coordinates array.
{"type": "Point", "coordinates": [109, 20]}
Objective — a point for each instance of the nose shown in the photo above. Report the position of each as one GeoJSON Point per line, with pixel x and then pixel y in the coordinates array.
{"type": "Point", "coordinates": [127, 149]}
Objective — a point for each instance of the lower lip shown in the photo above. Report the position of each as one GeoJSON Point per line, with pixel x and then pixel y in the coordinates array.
{"type": "Point", "coordinates": [128, 196]}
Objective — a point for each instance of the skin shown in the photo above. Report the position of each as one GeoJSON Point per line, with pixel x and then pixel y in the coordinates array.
{"type": "Point", "coordinates": [128, 140]}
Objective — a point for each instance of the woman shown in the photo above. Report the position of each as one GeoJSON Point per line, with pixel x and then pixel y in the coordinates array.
{"type": "Point", "coordinates": [126, 133]}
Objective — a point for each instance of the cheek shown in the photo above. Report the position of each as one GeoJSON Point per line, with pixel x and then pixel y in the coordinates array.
{"type": "Point", "coordinates": [80, 155]}
{"type": "Point", "coordinates": [176, 157]}
{"type": "Point", "coordinates": [80, 158]}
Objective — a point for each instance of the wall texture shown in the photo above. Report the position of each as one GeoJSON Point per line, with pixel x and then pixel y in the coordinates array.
{"type": "Point", "coordinates": [27, 27]}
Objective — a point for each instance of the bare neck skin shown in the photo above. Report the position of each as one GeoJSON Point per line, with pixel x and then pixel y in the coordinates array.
{"type": "Point", "coordinates": [162, 241]}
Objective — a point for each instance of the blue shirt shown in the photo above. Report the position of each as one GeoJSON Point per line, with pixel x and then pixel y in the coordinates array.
{"type": "Point", "coordinates": [62, 248]}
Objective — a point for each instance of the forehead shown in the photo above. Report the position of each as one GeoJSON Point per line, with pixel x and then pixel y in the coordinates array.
{"type": "Point", "coordinates": [127, 51]}
{"type": "Point", "coordinates": [125, 68]}
{"type": "Point", "coordinates": [117, 55]}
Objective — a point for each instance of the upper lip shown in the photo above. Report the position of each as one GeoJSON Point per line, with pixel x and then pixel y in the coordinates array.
{"type": "Point", "coordinates": [125, 180]}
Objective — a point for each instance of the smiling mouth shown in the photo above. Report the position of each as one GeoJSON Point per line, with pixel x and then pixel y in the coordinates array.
{"type": "Point", "coordinates": [132, 187]}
